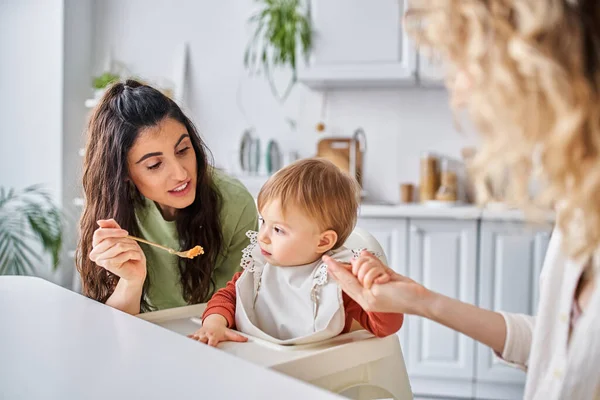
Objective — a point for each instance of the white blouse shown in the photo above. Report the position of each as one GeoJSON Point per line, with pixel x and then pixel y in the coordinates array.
{"type": "Point", "coordinates": [557, 367]}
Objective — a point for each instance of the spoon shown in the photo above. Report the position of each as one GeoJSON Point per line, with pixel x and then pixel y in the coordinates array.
{"type": "Point", "coordinates": [191, 253]}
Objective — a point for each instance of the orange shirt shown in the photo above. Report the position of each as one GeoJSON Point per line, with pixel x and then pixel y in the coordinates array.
{"type": "Point", "coordinates": [379, 324]}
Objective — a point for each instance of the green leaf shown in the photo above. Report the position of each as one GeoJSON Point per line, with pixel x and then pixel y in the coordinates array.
{"type": "Point", "coordinates": [5, 255]}
{"type": "Point", "coordinates": [22, 266]}
{"type": "Point", "coordinates": [104, 80]}
{"type": "Point", "coordinates": [28, 217]}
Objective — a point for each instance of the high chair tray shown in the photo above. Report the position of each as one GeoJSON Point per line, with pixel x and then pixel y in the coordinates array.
{"type": "Point", "coordinates": [305, 362]}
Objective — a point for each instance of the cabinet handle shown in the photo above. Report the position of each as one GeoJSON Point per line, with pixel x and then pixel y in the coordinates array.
{"type": "Point", "coordinates": [415, 230]}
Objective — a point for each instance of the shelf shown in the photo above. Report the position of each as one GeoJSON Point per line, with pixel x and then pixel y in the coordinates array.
{"type": "Point", "coordinates": [357, 76]}
{"type": "Point", "coordinates": [91, 103]}
{"type": "Point", "coordinates": [79, 202]}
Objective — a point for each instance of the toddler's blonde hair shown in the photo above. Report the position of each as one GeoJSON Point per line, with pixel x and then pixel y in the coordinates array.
{"type": "Point", "coordinates": [318, 188]}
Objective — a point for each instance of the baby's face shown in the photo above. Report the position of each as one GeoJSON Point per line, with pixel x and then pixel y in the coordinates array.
{"type": "Point", "coordinates": [289, 239]}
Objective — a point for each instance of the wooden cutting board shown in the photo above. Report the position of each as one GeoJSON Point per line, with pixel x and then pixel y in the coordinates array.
{"type": "Point", "coordinates": [337, 150]}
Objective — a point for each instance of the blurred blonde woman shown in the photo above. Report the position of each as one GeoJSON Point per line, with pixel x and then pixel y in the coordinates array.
{"type": "Point", "coordinates": [528, 72]}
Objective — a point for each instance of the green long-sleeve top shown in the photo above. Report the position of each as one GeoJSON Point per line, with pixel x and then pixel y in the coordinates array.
{"type": "Point", "coordinates": [238, 215]}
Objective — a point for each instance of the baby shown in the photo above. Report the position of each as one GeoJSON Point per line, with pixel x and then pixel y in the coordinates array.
{"type": "Point", "coordinates": [284, 295]}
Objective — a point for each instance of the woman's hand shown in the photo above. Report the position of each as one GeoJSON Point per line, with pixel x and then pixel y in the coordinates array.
{"type": "Point", "coordinates": [403, 295]}
{"type": "Point", "coordinates": [377, 287]}
{"type": "Point", "coordinates": [114, 252]}
{"type": "Point", "coordinates": [214, 331]}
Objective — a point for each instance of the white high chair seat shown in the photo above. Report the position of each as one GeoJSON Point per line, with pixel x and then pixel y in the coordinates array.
{"type": "Point", "coordinates": [355, 364]}
{"type": "Point", "coordinates": [360, 238]}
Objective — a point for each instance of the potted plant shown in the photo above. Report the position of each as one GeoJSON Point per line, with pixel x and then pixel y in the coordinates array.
{"type": "Point", "coordinates": [101, 82]}
{"type": "Point", "coordinates": [282, 31]}
{"type": "Point", "coordinates": [25, 217]}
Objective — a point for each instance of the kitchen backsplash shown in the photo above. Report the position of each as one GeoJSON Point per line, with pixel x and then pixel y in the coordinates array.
{"type": "Point", "coordinates": [399, 125]}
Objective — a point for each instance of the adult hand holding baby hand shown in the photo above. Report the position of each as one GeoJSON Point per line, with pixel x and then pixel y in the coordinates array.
{"type": "Point", "coordinates": [377, 288]}
{"type": "Point", "coordinates": [368, 269]}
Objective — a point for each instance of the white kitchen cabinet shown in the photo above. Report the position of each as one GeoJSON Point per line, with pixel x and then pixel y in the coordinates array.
{"type": "Point", "coordinates": [510, 261]}
{"type": "Point", "coordinates": [359, 43]}
{"type": "Point", "coordinates": [391, 233]}
{"type": "Point", "coordinates": [494, 264]}
{"type": "Point", "coordinates": [443, 257]}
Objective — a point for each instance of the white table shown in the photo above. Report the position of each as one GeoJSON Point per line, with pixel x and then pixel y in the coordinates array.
{"type": "Point", "coordinates": [56, 344]}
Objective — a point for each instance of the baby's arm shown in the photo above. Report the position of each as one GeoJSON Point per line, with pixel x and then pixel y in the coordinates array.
{"type": "Point", "coordinates": [214, 331]}
{"type": "Point", "coordinates": [379, 324]}
{"type": "Point", "coordinates": [369, 273]}
{"type": "Point", "coordinates": [219, 317]}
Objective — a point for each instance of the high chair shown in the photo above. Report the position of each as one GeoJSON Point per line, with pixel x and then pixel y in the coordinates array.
{"type": "Point", "coordinates": [355, 364]}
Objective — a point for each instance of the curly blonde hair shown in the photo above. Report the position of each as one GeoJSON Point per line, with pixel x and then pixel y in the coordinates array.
{"type": "Point", "coordinates": [534, 73]}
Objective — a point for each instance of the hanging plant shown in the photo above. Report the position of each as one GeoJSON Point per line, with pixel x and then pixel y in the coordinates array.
{"type": "Point", "coordinates": [283, 29]}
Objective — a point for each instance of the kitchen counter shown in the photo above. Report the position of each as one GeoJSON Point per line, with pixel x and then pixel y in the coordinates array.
{"type": "Point", "coordinates": [463, 212]}
{"type": "Point", "coordinates": [418, 211]}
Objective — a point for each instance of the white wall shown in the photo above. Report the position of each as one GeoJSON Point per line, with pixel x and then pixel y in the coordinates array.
{"type": "Point", "coordinates": [399, 125]}
{"type": "Point", "coordinates": [45, 52]}
{"type": "Point", "coordinates": [31, 53]}
{"type": "Point", "coordinates": [31, 87]}
{"type": "Point", "coordinates": [77, 70]}
{"type": "Point", "coordinates": [146, 34]}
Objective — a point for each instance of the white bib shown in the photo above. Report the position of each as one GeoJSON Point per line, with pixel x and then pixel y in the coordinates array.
{"type": "Point", "coordinates": [288, 305]}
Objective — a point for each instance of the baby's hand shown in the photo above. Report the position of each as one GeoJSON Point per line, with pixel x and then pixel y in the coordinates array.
{"type": "Point", "coordinates": [214, 331]}
{"type": "Point", "coordinates": [369, 270]}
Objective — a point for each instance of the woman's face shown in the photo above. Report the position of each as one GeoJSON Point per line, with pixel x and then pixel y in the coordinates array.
{"type": "Point", "coordinates": [162, 165]}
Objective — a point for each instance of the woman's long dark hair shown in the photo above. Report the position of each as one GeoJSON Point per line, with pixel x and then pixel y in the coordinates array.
{"type": "Point", "coordinates": [125, 110]}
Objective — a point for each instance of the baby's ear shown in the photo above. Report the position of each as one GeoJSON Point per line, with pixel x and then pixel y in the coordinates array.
{"type": "Point", "coordinates": [326, 241]}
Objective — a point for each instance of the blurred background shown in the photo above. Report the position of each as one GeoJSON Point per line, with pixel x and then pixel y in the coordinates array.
{"type": "Point", "coordinates": [53, 53]}
{"type": "Point", "coordinates": [367, 98]}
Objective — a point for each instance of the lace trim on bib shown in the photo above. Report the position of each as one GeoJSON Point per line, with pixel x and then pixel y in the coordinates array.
{"type": "Point", "coordinates": [356, 253]}
{"type": "Point", "coordinates": [249, 264]}
{"type": "Point", "coordinates": [321, 275]}
{"type": "Point", "coordinates": [319, 279]}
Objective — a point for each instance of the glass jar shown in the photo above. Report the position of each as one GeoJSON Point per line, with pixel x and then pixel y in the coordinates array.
{"type": "Point", "coordinates": [448, 191]}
